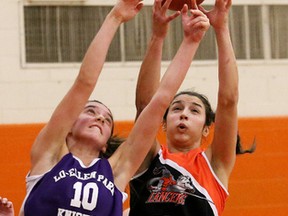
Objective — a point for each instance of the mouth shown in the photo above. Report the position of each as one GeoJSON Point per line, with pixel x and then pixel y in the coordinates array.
{"type": "Point", "coordinates": [182, 127]}
{"type": "Point", "coordinates": [97, 127]}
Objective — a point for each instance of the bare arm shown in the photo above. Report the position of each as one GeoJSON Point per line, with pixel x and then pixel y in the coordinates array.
{"type": "Point", "coordinates": [225, 134]}
{"type": "Point", "coordinates": [50, 144]}
{"type": "Point", "coordinates": [131, 153]}
{"type": "Point", "coordinates": [149, 75]}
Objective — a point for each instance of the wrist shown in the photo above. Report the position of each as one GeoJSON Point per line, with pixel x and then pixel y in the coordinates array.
{"type": "Point", "coordinates": [190, 41]}
{"type": "Point", "coordinates": [221, 29]}
{"type": "Point", "coordinates": [157, 38]}
{"type": "Point", "coordinates": [114, 18]}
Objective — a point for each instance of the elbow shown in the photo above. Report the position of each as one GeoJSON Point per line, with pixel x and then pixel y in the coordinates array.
{"type": "Point", "coordinates": [229, 99]}
{"type": "Point", "coordinates": [143, 98]}
{"type": "Point", "coordinates": [141, 104]}
{"type": "Point", "coordinates": [163, 101]}
{"type": "Point", "coordinates": [86, 80]}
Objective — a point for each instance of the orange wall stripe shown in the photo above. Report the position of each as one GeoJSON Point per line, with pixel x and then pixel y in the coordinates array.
{"type": "Point", "coordinates": [258, 185]}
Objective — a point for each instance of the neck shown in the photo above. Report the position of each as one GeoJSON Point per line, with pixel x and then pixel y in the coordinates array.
{"type": "Point", "coordinates": [182, 147]}
{"type": "Point", "coordinates": [84, 153]}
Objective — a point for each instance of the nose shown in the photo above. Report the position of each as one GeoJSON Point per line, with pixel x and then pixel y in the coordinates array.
{"type": "Point", "coordinates": [100, 118]}
{"type": "Point", "coordinates": [183, 115]}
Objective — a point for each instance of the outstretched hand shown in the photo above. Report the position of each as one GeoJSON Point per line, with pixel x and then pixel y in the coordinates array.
{"type": "Point", "coordinates": [194, 24]}
{"type": "Point", "coordinates": [160, 19]}
{"type": "Point", "coordinates": [218, 15]}
{"type": "Point", "coordinates": [125, 10]}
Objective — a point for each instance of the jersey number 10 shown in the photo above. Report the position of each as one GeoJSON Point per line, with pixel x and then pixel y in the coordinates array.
{"type": "Point", "coordinates": [89, 190]}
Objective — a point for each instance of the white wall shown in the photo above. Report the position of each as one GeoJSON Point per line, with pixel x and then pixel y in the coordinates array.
{"type": "Point", "coordinates": [29, 94]}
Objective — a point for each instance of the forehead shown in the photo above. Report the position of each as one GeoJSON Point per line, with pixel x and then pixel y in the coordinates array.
{"type": "Point", "coordinates": [187, 99]}
{"type": "Point", "coordinates": [98, 106]}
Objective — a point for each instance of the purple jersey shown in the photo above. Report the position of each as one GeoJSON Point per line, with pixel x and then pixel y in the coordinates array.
{"type": "Point", "coordinates": [72, 189]}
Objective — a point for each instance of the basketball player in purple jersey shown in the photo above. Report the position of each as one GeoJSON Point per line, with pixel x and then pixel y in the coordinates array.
{"type": "Point", "coordinates": [68, 176]}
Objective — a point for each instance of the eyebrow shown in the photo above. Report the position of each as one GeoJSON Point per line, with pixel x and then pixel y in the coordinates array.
{"type": "Point", "coordinates": [193, 103]}
{"type": "Point", "coordinates": [94, 107]}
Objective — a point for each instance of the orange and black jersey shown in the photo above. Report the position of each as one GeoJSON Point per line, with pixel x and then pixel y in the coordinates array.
{"type": "Point", "coordinates": [177, 184]}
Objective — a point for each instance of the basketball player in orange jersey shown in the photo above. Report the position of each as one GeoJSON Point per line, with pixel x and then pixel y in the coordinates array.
{"type": "Point", "coordinates": [202, 175]}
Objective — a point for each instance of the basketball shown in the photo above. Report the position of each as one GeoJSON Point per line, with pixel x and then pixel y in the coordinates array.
{"type": "Point", "coordinates": [178, 4]}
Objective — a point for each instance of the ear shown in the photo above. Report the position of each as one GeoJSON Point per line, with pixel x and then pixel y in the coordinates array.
{"type": "Point", "coordinates": [205, 131]}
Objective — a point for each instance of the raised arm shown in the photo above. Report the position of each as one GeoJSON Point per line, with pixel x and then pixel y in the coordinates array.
{"type": "Point", "coordinates": [149, 75]}
{"type": "Point", "coordinates": [50, 144]}
{"type": "Point", "coordinates": [225, 135]}
{"type": "Point", "coordinates": [131, 153]}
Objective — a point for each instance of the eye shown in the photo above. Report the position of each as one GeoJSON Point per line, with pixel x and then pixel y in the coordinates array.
{"type": "Point", "coordinates": [108, 121]}
{"type": "Point", "coordinates": [91, 111]}
{"type": "Point", "coordinates": [195, 111]}
{"type": "Point", "coordinates": [176, 108]}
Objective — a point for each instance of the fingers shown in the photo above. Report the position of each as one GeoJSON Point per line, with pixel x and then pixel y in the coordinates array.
{"type": "Point", "coordinates": [201, 8]}
{"type": "Point", "coordinates": [228, 3]}
{"type": "Point", "coordinates": [166, 4]}
{"type": "Point", "coordinates": [223, 3]}
{"type": "Point", "coordinates": [195, 16]}
{"type": "Point", "coordinates": [173, 16]}
{"type": "Point", "coordinates": [9, 204]}
{"type": "Point", "coordinates": [196, 24]}
{"type": "Point", "coordinates": [195, 9]}
{"type": "Point", "coordinates": [184, 10]}
{"type": "Point", "coordinates": [197, 12]}
{"type": "Point", "coordinates": [5, 202]}
{"type": "Point", "coordinates": [158, 5]}
{"type": "Point", "coordinates": [200, 23]}
{"type": "Point", "coordinates": [194, 5]}
{"type": "Point", "coordinates": [161, 9]}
